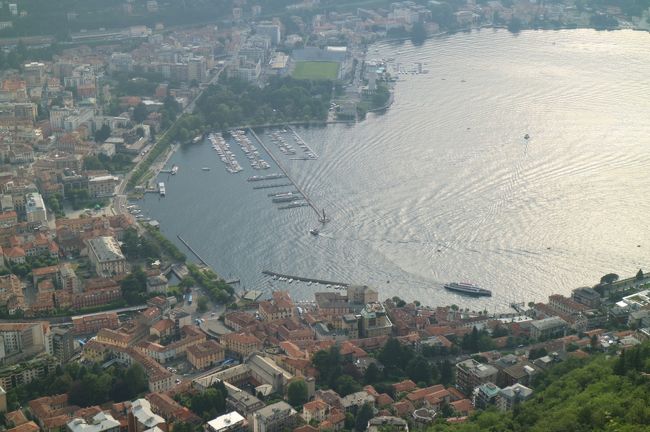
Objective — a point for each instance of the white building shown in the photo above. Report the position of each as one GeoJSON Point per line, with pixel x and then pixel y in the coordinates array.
{"type": "Point", "coordinates": [275, 418]}
{"type": "Point", "coordinates": [231, 422]}
{"type": "Point", "coordinates": [35, 208]}
{"type": "Point", "coordinates": [101, 422]}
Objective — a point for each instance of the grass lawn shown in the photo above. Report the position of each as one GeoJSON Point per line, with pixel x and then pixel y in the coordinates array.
{"type": "Point", "coordinates": [316, 70]}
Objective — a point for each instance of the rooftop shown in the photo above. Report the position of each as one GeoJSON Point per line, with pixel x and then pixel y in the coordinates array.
{"type": "Point", "coordinates": [106, 248]}
{"type": "Point", "coordinates": [226, 421]}
{"type": "Point", "coordinates": [99, 423]}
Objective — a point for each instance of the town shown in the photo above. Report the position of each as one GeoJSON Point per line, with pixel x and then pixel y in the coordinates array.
{"type": "Point", "coordinates": [107, 326]}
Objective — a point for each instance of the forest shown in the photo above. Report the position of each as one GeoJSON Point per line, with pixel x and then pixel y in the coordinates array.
{"type": "Point", "coordinates": [599, 394]}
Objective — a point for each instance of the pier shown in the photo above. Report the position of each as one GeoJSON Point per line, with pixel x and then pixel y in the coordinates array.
{"type": "Point", "coordinates": [273, 186]}
{"type": "Point", "coordinates": [304, 143]}
{"type": "Point", "coordinates": [192, 250]}
{"type": "Point", "coordinates": [306, 279]}
{"type": "Point", "coordinates": [321, 215]}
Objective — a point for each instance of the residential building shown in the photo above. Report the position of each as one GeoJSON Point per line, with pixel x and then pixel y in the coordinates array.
{"type": "Point", "coordinates": [19, 374]}
{"type": "Point", "coordinates": [17, 338]}
{"type": "Point", "coordinates": [231, 422]}
{"type": "Point", "coordinates": [102, 186]}
{"type": "Point", "coordinates": [510, 396]}
{"type": "Point", "coordinates": [35, 208]}
{"type": "Point", "coordinates": [106, 256]}
{"type": "Point", "coordinates": [62, 344]}
{"type": "Point", "coordinates": [387, 424]}
{"type": "Point", "coordinates": [141, 418]}
{"type": "Point", "coordinates": [242, 344]}
{"type": "Point", "coordinates": [353, 401]}
{"type": "Point", "coordinates": [586, 296]}
{"type": "Point", "coordinates": [275, 418]}
{"type": "Point", "coordinates": [92, 323]}
{"type": "Point", "coordinates": [101, 422]}
{"type": "Point", "coordinates": [206, 354]}
{"type": "Point", "coordinates": [548, 328]}
{"type": "Point", "coordinates": [374, 321]}
{"type": "Point", "coordinates": [362, 295]}
{"type": "Point", "coordinates": [471, 374]}
{"type": "Point", "coordinates": [280, 307]}
{"type": "Point", "coordinates": [485, 395]}
{"type": "Point", "coordinates": [316, 410]}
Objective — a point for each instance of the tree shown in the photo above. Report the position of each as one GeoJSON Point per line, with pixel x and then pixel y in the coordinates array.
{"type": "Point", "coordinates": [419, 370]}
{"type": "Point", "coordinates": [297, 393]}
{"type": "Point", "coordinates": [346, 385]}
{"type": "Point", "coordinates": [102, 134]}
{"type": "Point", "coordinates": [140, 113]}
{"type": "Point", "coordinates": [609, 278]}
{"type": "Point", "coordinates": [393, 355]}
{"type": "Point", "coordinates": [536, 353]}
{"type": "Point", "coordinates": [446, 372]}
{"type": "Point", "coordinates": [136, 380]}
{"type": "Point", "coordinates": [515, 25]}
{"type": "Point", "coordinates": [202, 304]}
{"type": "Point", "coordinates": [371, 375]}
{"type": "Point", "coordinates": [418, 33]}
{"type": "Point", "coordinates": [639, 275]}
{"type": "Point", "coordinates": [134, 286]}
{"type": "Point", "coordinates": [363, 417]}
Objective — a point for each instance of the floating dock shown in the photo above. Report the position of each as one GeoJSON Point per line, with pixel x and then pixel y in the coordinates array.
{"type": "Point", "coordinates": [306, 279]}
{"type": "Point", "coordinates": [318, 211]}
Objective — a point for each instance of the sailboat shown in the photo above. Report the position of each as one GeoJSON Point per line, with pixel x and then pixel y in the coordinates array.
{"type": "Point", "coordinates": [323, 219]}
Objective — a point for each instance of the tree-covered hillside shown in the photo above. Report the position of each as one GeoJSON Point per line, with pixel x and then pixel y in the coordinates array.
{"type": "Point", "coordinates": [603, 394]}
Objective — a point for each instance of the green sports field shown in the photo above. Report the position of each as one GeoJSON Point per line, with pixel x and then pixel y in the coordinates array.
{"type": "Point", "coordinates": [316, 70]}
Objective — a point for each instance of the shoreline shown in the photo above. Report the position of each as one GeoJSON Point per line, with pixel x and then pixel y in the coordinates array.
{"type": "Point", "coordinates": [315, 123]}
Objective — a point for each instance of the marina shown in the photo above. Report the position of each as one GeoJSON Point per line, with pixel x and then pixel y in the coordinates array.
{"type": "Point", "coordinates": [249, 150]}
{"type": "Point", "coordinates": [320, 213]}
{"type": "Point", "coordinates": [286, 278]}
{"type": "Point", "coordinates": [310, 154]}
{"type": "Point", "coordinates": [278, 137]}
{"type": "Point", "coordinates": [223, 150]}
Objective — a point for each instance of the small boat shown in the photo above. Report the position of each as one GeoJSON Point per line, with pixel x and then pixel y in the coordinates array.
{"type": "Point", "coordinates": [290, 280]}
{"type": "Point", "coordinates": [309, 283]}
{"type": "Point", "coordinates": [205, 169]}
{"type": "Point", "coordinates": [314, 231]}
{"type": "Point", "coordinates": [174, 169]}
{"type": "Point", "coordinates": [526, 136]}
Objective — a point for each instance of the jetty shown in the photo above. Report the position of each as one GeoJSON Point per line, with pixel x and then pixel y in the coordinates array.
{"type": "Point", "coordinates": [301, 142]}
{"type": "Point", "coordinates": [319, 212]}
{"type": "Point", "coordinates": [192, 250]}
{"type": "Point", "coordinates": [306, 279]}
{"type": "Point", "coordinates": [273, 186]}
